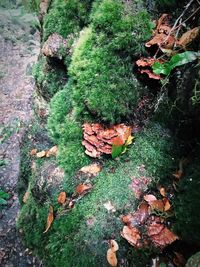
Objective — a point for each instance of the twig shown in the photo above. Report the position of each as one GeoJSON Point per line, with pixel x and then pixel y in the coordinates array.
{"type": "Point", "coordinates": [188, 18]}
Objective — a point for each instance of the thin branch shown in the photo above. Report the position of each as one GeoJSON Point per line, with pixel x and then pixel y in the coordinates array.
{"type": "Point", "coordinates": [188, 18]}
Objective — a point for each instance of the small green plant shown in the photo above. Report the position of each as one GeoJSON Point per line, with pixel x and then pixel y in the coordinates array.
{"type": "Point", "coordinates": [3, 198]}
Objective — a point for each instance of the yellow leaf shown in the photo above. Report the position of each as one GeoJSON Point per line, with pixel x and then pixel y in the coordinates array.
{"type": "Point", "coordinates": [92, 169]}
{"type": "Point", "coordinates": [129, 140]}
{"type": "Point", "coordinates": [111, 257]}
{"type": "Point", "coordinates": [41, 154]}
{"type": "Point", "coordinates": [52, 151]}
{"type": "Point", "coordinates": [50, 219]}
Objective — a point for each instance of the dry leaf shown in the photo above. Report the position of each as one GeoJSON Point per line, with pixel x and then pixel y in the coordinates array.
{"type": "Point", "coordinates": [162, 191]}
{"type": "Point", "coordinates": [179, 260]}
{"type": "Point", "coordinates": [33, 152]}
{"type": "Point", "coordinates": [108, 205]}
{"type": "Point", "coordinates": [132, 235]}
{"type": "Point", "coordinates": [50, 219]}
{"type": "Point", "coordinates": [150, 198]}
{"type": "Point", "coordinates": [41, 154]}
{"type": "Point", "coordinates": [62, 197]}
{"type": "Point", "coordinates": [138, 217]}
{"type": "Point", "coordinates": [178, 174]}
{"type": "Point", "coordinates": [83, 188]}
{"type": "Point", "coordinates": [113, 245]}
{"type": "Point", "coordinates": [167, 205]}
{"type": "Point", "coordinates": [92, 169]}
{"type": "Point", "coordinates": [26, 196]}
{"type": "Point", "coordinates": [52, 151]}
{"type": "Point", "coordinates": [188, 37]}
{"type": "Point", "coordinates": [157, 205]}
{"type": "Point", "coordinates": [111, 257]}
{"type": "Point", "coordinates": [164, 238]}
{"type": "Point", "coordinates": [154, 228]}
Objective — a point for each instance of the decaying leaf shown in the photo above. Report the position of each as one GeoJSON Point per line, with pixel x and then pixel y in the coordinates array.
{"type": "Point", "coordinates": [33, 152]}
{"type": "Point", "coordinates": [131, 234]}
{"type": "Point", "coordinates": [138, 217]}
{"type": "Point", "coordinates": [188, 37]}
{"type": "Point", "coordinates": [26, 196]}
{"type": "Point", "coordinates": [111, 257]}
{"type": "Point", "coordinates": [92, 169]}
{"type": "Point", "coordinates": [113, 245]}
{"type": "Point", "coordinates": [50, 219]}
{"type": "Point", "coordinates": [151, 74]}
{"type": "Point", "coordinates": [62, 197]}
{"type": "Point", "coordinates": [41, 154]}
{"type": "Point", "coordinates": [139, 184]}
{"type": "Point", "coordinates": [108, 205]}
{"type": "Point", "coordinates": [157, 205]}
{"type": "Point", "coordinates": [164, 238]}
{"type": "Point", "coordinates": [154, 228]}
{"type": "Point", "coordinates": [83, 188]}
{"type": "Point", "coordinates": [52, 151]}
{"type": "Point", "coordinates": [149, 198]}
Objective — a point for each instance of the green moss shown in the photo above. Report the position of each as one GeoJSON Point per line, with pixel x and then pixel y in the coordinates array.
{"type": "Point", "coordinates": [187, 205]}
{"type": "Point", "coordinates": [49, 79]}
{"type": "Point", "coordinates": [79, 238]}
{"type": "Point", "coordinates": [66, 17]}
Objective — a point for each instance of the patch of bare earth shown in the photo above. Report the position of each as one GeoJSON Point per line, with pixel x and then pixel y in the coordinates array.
{"type": "Point", "coordinates": [19, 48]}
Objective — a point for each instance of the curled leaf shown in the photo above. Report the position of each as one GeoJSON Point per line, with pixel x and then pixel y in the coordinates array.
{"type": "Point", "coordinates": [50, 219]}
{"type": "Point", "coordinates": [62, 197]}
{"type": "Point", "coordinates": [162, 191]}
{"type": "Point", "coordinates": [83, 188]}
{"type": "Point", "coordinates": [111, 257]}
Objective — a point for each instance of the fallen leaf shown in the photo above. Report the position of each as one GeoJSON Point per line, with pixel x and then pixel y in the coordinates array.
{"type": "Point", "coordinates": [188, 37]}
{"type": "Point", "coordinates": [150, 198]}
{"type": "Point", "coordinates": [164, 238]}
{"type": "Point", "coordinates": [26, 196]}
{"type": "Point", "coordinates": [108, 205]}
{"type": "Point", "coordinates": [83, 188]}
{"type": "Point", "coordinates": [157, 205]}
{"type": "Point", "coordinates": [33, 152]}
{"type": "Point", "coordinates": [52, 151]}
{"type": "Point", "coordinates": [138, 217]}
{"type": "Point", "coordinates": [178, 174]}
{"type": "Point", "coordinates": [139, 184]}
{"type": "Point", "coordinates": [167, 205]}
{"type": "Point", "coordinates": [132, 235]}
{"type": "Point", "coordinates": [179, 260]}
{"type": "Point", "coordinates": [92, 169]}
{"type": "Point", "coordinates": [162, 191]}
{"type": "Point", "coordinates": [41, 154]}
{"type": "Point", "coordinates": [50, 219]}
{"type": "Point", "coordinates": [62, 197]}
{"type": "Point", "coordinates": [147, 62]}
{"type": "Point", "coordinates": [111, 257]}
{"type": "Point", "coordinates": [154, 228]}
{"type": "Point", "coordinates": [113, 245]}
{"type": "Point", "coordinates": [151, 74]}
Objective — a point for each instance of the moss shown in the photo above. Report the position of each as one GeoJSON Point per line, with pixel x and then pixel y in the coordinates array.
{"type": "Point", "coordinates": [66, 17]}
{"type": "Point", "coordinates": [187, 204]}
{"type": "Point", "coordinates": [79, 238]}
{"type": "Point", "coordinates": [49, 78]}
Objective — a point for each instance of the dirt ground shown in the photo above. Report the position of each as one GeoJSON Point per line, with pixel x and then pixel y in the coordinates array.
{"type": "Point", "coordinates": [19, 48]}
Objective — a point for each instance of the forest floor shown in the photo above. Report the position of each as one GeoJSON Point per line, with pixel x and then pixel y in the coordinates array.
{"type": "Point", "coordinates": [19, 49]}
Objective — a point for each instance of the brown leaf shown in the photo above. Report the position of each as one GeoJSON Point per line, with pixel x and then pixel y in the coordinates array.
{"type": "Point", "coordinates": [33, 152]}
{"type": "Point", "coordinates": [52, 151]}
{"type": "Point", "coordinates": [147, 62]}
{"type": "Point", "coordinates": [179, 260]}
{"type": "Point", "coordinates": [164, 238]}
{"type": "Point", "coordinates": [178, 174]}
{"type": "Point", "coordinates": [41, 154]}
{"type": "Point", "coordinates": [149, 198]}
{"type": "Point", "coordinates": [62, 197]}
{"type": "Point", "coordinates": [50, 219]}
{"type": "Point", "coordinates": [108, 205]}
{"type": "Point", "coordinates": [132, 235]}
{"type": "Point", "coordinates": [154, 228]}
{"type": "Point", "coordinates": [167, 205]}
{"type": "Point", "coordinates": [111, 257]}
{"type": "Point", "coordinates": [83, 188]}
{"type": "Point", "coordinates": [188, 37]}
{"type": "Point", "coordinates": [26, 196]}
{"type": "Point", "coordinates": [157, 205]}
{"type": "Point", "coordinates": [151, 74]}
{"type": "Point", "coordinates": [162, 191]}
{"type": "Point", "coordinates": [138, 217]}
{"type": "Point", "coordinates": [92, 169]}
{"type": "Point", "coordinates": [139, 185]}
{"type": "Point", "coordinates": [113, 245]}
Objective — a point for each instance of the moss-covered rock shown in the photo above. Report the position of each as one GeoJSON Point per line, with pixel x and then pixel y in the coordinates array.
{"type": "Point", "coordinates": [194, 261]}
{"type": "Point", "coordinates": [80, 237]}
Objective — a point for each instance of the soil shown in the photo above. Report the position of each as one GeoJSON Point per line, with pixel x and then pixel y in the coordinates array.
{"type": "Point", "coordinates": [19, 49]}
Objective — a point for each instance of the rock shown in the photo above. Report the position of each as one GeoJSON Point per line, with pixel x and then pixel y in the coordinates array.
{"type": "Point", "coordinates": [55, 47]}
{"type": "Point", "coordinates": [194, 261]}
